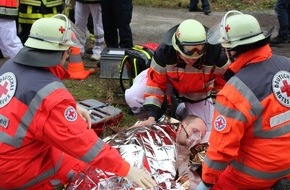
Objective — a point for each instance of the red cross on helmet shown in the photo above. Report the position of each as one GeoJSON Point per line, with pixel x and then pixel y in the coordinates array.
{"type": "Point", "coordinates": [55, 33]}
{"type": "Point", "coordinates": [237, 29]}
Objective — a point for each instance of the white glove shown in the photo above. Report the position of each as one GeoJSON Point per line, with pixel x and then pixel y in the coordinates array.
{"type": "Point", "coordinates": [202, 186]}
{"type": "Point", "coordinates": [141, 177]}
{"type": "Point", "coordinates": [85, 115]}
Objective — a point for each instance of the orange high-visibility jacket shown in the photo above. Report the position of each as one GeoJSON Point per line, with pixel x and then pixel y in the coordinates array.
{"type": "Point", "coordinates": [39, 125]}
{"type": "Point", "coordinates": [9, 9]}
{"type": "Point", "coordinates": [192, 83]}
{"type": "Point", "coordinates": [251, 124]}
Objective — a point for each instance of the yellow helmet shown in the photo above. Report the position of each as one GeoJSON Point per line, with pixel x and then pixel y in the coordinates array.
{"type": "Point", "coordinates": [57, 33]}
{"type": "Point", "coordinates": [189, 33]}
{"type": "Point", "coordinates": [236, 30]}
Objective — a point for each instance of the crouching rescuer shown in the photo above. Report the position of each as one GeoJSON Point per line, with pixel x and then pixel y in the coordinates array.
{"type": "Point", "coordinates": [249, 142]}
{"type": "Point", "coordinates": [44, 137]}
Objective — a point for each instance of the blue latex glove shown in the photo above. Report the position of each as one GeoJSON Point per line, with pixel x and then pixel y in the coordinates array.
{"type": "Point", "coordinates": [202, 186]}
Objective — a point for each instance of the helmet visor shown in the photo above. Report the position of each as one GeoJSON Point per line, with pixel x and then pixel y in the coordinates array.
{"type": "Point", "coordinates": [218, 32]}
{"type": "Point", "coordinates": [73, 36]}
{"type": "Point", "coordinates": [214, 34]}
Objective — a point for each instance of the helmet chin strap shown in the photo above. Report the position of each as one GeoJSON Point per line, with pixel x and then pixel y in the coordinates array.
{"type": "Point", "coordinates": [233, 55]}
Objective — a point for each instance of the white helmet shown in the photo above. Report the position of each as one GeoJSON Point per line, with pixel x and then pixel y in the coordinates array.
{"type": "Point", "coordinates": [236, 30]}
{"type": "Point", "coordinates": [57, 33]}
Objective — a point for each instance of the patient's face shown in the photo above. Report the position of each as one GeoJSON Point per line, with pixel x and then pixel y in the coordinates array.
{"type": "Point", "coordinates": [186, 130]}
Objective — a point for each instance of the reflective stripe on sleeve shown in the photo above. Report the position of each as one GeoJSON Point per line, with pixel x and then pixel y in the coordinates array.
{"type": "Point", "coordinates": [9, 11]}
{"type": "Point", "coordinates": [215, 164]}
{"type": "Point", "coordinates": [157, 68]}
{"type": "Point", "coordinates": [257, 107]}
{"type": "Point", "coordinates": [153, 100]}
{"type": "Point", "coordinates": [259, 174]}
{"type": "Point", "coordinates": [44, 175]}
{"type": "Point", "coordinates": [231, 113]}
{"type": "Point", "coordinates": [94, 151]}
{"type": "Point", "coordinates": [155, 91]}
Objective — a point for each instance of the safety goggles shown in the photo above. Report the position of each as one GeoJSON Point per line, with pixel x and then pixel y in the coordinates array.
{"type": "Point", "coordinates": [189, 48]}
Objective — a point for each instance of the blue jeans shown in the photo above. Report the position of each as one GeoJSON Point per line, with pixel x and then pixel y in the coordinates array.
{"type": "Point", "coordinates": [282, 10]}
{"type": "Point", "coordinates": [193, 4]}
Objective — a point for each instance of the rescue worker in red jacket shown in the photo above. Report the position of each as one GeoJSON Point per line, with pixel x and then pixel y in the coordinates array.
{"type": "Point", "coordinates": [250, 139]}
{"type": "Point", "coordinates": [44, 141]}
{"type": "Point", "coordinates": [10, 43]}
{"type": "Point", "coordinates": [187, 63]}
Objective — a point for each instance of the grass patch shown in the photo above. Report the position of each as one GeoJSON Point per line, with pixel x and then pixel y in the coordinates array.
{"type": "Point", "coordinates": [104, 90]}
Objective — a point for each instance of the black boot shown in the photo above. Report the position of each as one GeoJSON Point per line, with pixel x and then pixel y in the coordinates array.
{"type": "Point", "coordinates": [279, 40]}
{"type": "Point", "coordinates": [197, 9]}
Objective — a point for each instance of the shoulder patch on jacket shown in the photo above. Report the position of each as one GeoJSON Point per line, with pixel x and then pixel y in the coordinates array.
{"type": "Point", "coordinates": [70, 114]}
{"type": "Point", "coordinates": [220, 123]}
{"type": "Point", "coordinates": [281, 87]}
{"type": "Point", "coordinates": [8, 85]}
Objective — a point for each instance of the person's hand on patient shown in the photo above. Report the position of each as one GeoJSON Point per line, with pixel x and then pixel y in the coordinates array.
{"type": "Point", "coordinates": [85, 115]}
{"type": "Point", "coordinates": [141, 177]}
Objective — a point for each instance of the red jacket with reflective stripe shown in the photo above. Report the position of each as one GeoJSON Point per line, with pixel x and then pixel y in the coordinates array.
{"type": "Point", "coordinates": [191, 82]}
{"type": "Point", "coordinates": [9, 9]}
{"type": "Point", "coordinates": [9, 3]}
{"type": "Point", "coordinates": [250, 129]}
{"type": "Point", "coordinates": [38, 120]}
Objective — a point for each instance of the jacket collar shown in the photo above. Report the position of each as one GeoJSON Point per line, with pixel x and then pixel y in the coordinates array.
{"type": "Point", "coordinates": [250, 57]}
{"type": "Point", "coordinates": [59, 72]}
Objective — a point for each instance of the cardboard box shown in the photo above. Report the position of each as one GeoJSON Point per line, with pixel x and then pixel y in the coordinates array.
{"type": "Point", "coordinates": [110, 63]}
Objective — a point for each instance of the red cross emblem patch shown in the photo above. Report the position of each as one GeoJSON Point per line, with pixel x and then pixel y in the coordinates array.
{"type": "Point", "coordinates": [70, 114]}
{"type": "Point", "coordinates": [281, 87]}
{"type": "Point", "coordinates": [220, 123]}
{"type": "Point", "coordinates": [7, 88]}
